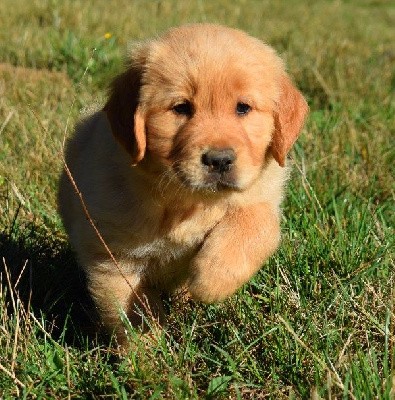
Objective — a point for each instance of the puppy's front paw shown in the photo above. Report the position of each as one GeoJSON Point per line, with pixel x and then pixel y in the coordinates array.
{"type": "Point", "coordinates": [233, 252]}
{"type": "Point", "coordinates": [213, 282]}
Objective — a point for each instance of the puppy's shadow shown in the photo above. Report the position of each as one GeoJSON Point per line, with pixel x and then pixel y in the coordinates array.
{"type": "Point", "coordinates": [43, 272]}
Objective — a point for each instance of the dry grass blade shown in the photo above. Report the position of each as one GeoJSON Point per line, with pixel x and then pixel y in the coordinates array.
{"type": "Point", "coordinates": [20, 274]}
{"type": "Point", "coordinates": [143, 302]}
{"type": "Point", "coordinates": [13, 377]}
{"type": "Point", "coordinates": [6, 121]}
{"type": "Point", "coordinates": [10, 286]}
{"type": "Point", "coordinates": [321, 362]}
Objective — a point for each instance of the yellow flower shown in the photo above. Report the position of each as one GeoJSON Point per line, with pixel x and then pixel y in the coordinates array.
{"type": "Point", "coordinates": [107, 35]}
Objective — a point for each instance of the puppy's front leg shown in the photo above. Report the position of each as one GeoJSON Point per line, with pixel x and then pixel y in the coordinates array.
{"type": "Point", "coordinates": [115, 293]}
{"type": "Point", "coordinates": [233, 251]}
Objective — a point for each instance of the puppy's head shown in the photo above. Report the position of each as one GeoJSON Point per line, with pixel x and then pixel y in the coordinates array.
{"type": "Point", "coordinates": [207, 105]}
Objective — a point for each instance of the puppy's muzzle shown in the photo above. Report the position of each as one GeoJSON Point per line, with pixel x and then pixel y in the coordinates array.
{"type": "Point", "coordinates": [219, 166]}
{"type": "Point", "coordinates": [219, 161]}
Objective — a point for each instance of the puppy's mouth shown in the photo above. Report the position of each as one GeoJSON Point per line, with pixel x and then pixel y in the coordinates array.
{"type": "Point", "coordinates": [214, 171]}
{"type": "Point", "coordinates": [211, 182]}
{"type": "Point", "coordinates": [216, 182]}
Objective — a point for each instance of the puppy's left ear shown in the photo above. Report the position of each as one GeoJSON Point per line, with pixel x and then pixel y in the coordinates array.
{"type": "Point", "coordinates": [288, 120]}
{"type": "Point", "coordinates": [123, 112]}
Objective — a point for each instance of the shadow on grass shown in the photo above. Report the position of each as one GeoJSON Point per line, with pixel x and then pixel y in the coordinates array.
{"type": "Point", "coordinates": [45, 275]}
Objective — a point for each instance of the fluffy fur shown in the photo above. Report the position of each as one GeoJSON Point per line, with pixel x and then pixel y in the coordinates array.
{"type": "Point", "coordinates": [182, 171]}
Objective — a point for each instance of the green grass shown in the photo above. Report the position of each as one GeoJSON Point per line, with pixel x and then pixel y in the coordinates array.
{"type": "Point", "coordinates": [318, 321]}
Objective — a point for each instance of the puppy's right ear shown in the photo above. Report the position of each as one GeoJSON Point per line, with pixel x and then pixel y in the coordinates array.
{"type": "Point", "coordinates": [123, 112]}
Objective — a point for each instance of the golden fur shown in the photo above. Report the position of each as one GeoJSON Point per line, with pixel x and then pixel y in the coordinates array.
{"type": "Point", "coordinates": [182, 171]}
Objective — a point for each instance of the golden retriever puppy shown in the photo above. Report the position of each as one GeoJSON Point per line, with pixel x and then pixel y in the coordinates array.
{"type": "Point", "coordinates": [182, 172]}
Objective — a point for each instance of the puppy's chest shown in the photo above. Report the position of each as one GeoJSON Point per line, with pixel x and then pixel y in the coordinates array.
{"type": "Point", "coordinates": [178, 234]}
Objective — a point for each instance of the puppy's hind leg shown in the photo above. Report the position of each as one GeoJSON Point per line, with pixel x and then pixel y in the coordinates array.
{"type": "Point", "coordinates": [116, 293]}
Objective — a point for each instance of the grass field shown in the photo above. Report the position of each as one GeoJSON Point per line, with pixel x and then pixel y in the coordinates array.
{"type": "Point", "coordinates": [318, 321]}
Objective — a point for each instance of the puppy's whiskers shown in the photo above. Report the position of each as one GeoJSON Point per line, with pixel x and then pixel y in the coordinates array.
{"type": "Point", "coordinates": [167, 178]}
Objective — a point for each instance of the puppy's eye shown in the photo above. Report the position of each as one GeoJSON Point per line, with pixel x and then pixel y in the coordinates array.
{"type": "Point", "coordinates": [242, 108]}
{"type": "Point", "coordinates": [184, 108]}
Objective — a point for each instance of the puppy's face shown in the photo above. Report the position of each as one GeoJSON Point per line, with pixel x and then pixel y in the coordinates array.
{"type": "Point", "coordinates": [209, 107]}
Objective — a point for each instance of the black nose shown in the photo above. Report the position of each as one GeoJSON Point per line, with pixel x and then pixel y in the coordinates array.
{"type": "Point", "coordinates": [219, 160]}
